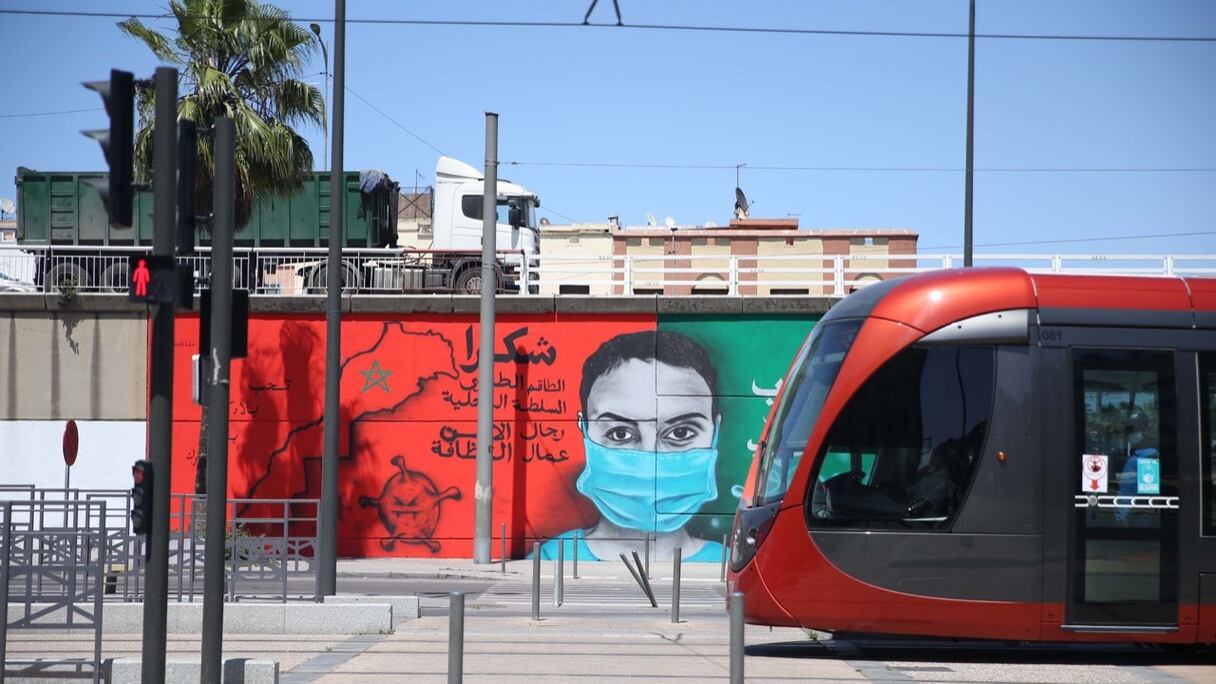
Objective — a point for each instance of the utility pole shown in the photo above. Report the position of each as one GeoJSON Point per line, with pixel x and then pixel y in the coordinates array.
{"type": "Point", "coordinates": [222, 226]}
{"type": "Point", "coordinates": [327, 569]}
{"type": "Point", "coordinates": [967, 242]}
{"type": "Point", "coordinates": [160, 411]}
{"type": "Point", "coordinates": [484, 491]}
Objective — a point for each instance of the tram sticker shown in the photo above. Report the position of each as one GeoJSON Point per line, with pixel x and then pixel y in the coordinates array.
{"type": "Point", "coordinates": [1148, 476]}
{"type": "Point", "coordinates": [1093, 473]}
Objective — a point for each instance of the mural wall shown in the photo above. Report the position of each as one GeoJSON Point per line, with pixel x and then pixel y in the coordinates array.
{"type": "Point", "coordinates": [609, 426]}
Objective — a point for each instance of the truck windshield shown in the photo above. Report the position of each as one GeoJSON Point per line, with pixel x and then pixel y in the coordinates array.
{"type": "Point", "coordinates": [814, 372]}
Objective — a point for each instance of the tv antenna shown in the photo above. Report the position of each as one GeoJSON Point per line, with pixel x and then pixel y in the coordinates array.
{"type": "Point", "coordinates": [6, 207]}
{"type": "Point", "coordinates": [670, 223]}
{"type": "Point", "coordinates": [650, 220]}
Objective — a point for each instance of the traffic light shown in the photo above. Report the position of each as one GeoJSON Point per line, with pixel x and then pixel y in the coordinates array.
{"type": "Point", "coordinates": [141, 498]}
{"type": "Point", "coordinates": [187, 158]}
{"type": "Point", "coordinates": [118, 143]}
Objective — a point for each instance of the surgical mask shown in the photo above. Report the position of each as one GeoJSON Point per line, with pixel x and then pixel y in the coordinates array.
{"type": "Point", "coordinates": [645, 490]}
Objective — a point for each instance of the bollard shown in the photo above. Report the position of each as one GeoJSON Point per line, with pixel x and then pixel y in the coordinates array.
{"type": "Point", "coordinates": [647, 555]}
{"type": "Point", "coordinates": [558, 572]}
{"type": "Point", "coordinates": [576, 554]}
{"type": "Point", "coordinates": [675, 587]}
{"type": "Point", "coordinates": [725, 553]}
{"type": "Point", "coordinates": [456, 638]}
{"type": "Point", "coordinates": [535, 580]}
{"type": "Point", "coordinates": [736, 637]}
{"type": "Point", "coordinates": [504, 548]}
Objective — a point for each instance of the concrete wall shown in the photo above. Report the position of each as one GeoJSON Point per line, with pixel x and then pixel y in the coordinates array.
{"type": "Point", "coordinates": [81, 364]}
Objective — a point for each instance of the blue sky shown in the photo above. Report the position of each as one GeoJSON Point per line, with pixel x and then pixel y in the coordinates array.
{"type": "Point", "coordinates": [629, 96]}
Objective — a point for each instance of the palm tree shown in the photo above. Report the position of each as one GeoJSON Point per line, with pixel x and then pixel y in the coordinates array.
{"type": "Point", "coordinates": [241, 59]}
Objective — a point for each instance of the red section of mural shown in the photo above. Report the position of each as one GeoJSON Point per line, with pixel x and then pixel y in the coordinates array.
{"type": "Point", "coordinates": [409, 410]}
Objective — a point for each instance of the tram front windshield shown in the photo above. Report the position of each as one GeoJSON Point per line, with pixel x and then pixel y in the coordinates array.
{"type": "Point", "coordinates": [814, 372]}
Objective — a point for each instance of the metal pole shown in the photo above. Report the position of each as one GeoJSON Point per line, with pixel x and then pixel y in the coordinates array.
{"type": "Point", "coordinates": [675, 587]}
{"type": "Point", "coordinates": [535, 580]}
{"type": "Point", "coordinates": [484, 491]}
{"type": "Point", "coordinates": [647, 555]}
{"type": "Point", "coordinates": [327, 567]}
{"type": "Point", "coordinates": [970, 138]}
{"type": "Point", "coordinates": [725, 553]}
{"type": "Point", "coordinates": [6, 542]}
{"type": "Point", "coordinates": [736, 637]}
{"type": "Point", "coordinates": [456, 638]}
{"type": "Point", "coordinates": [160, 412]}
{"type": "Point", "coordinates": [575, 569]}
{"type": "Point", "coordinates": [559, 570]}
{"type": "Point", "coordinates": [504, 548]}
{"type": "Point", "coordinates": [222, 228]}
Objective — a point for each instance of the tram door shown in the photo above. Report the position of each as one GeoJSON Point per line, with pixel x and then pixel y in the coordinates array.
{"type": "Point", "coordinates": [1124, 566]}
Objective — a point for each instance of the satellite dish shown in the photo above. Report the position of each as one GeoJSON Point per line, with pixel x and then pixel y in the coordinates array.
{"type": "Point", "coordinates": [741, 204]}
{"type": "Point", "coordinates": [6, 206]}
{"type": "Point", "coordinates": [650, 220]}
{"type": "Point", "coordinates": [710, 224]}
{"type": "Point", "coordinates": [670, 222]}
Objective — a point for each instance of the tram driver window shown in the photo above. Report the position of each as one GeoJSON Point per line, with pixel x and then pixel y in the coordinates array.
{"type": "Point", "coordinates": [902, 453]}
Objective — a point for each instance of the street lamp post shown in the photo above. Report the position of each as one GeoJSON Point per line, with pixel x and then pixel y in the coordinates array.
{"type": "Point", "coordinates": [316, 29]}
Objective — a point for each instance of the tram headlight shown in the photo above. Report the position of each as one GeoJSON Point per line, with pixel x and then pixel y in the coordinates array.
{"type": "Point", "coordinates": [752, 526]}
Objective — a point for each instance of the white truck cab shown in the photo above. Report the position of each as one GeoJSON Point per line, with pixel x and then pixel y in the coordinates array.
{"type": "Point", "coordinates": [457, 218]}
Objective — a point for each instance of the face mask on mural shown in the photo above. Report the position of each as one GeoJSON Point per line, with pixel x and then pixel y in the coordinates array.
{"type": "Point", "coordinates": [647, 490]}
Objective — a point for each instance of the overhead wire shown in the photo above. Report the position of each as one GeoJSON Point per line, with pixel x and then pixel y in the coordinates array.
{"type": "Point", "coordinates": [932, 169]}
{"type": "Point", "coordinates": [704, 28]}
{"type": "Point", "coordinates": [63, 111]}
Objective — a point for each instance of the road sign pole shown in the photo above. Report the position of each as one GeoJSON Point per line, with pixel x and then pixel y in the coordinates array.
{"type": "Point", "coordinates": [160, 412]}
{"type": "Point", "coordinates": [224, 189]}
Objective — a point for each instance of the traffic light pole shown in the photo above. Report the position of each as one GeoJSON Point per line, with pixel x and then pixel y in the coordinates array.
{"type": "Point", "coordinates": [160, 410]}
{"type": "Point", "coordinates": [327, 567]}
{"type": "Point", "coordinates": [217, 393]}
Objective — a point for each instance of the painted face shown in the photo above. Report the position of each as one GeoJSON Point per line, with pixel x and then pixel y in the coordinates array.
{"type": "Point", "coordinates": [650, 406]}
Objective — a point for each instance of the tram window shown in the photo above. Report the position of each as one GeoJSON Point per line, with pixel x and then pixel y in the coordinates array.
{"type": "Point", "coordinates": [903, 451]}
{"type": "Point", "coordinates": [814, 372]}
{"type": "Point", "coordinates": [1207, 396]}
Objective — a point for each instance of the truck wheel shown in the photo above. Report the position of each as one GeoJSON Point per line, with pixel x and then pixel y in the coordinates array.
{"type": "Point", "coordinates": [64, 276]}
{"type": "Point", "coordinates": [115, 278]}
{"type": "Point", "coordinates": [349, 278]}
{"type": "Point", "coordinates": [469, 280]}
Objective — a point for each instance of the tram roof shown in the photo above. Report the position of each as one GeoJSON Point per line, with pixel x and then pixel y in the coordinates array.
{"type": "Point", "coordinates": [929, 301]}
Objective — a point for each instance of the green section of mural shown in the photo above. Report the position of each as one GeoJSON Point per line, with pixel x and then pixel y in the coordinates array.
{"type": "Point", "coordinates": [751, 355]}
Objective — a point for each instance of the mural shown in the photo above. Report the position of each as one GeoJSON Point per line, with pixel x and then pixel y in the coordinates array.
{"type": "Point", "coordinates": [610, 426]}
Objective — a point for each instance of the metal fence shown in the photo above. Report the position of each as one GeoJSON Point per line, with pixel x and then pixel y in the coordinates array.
{"type": "Point", "coordinates": [280, 271]}
{"type": "Point", "coordinates": [51, 575]}
{"type": "Point", "coordinates": [269, 543]}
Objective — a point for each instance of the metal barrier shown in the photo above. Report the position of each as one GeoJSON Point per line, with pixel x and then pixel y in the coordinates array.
{"type": "Point", "coordinates": [287, 271]}
{"type": "Point", "coordinates": [54, 574]}
{"type": "Point", "coordinates": [269, 549]}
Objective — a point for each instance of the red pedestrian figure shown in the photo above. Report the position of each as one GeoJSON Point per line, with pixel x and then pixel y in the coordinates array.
{"type": "Point", "coordinates": [141, 277]}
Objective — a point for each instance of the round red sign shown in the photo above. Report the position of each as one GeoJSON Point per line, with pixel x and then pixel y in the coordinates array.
{"type": "Point", "coordinates": [71, 442]}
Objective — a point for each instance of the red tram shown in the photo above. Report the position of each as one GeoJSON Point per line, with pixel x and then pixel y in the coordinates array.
{"type": "Point", "coordinates": [992, 454]}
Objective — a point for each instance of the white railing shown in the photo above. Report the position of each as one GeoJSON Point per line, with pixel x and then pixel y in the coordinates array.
{"type": "Point", "coordinates": [394, 271]}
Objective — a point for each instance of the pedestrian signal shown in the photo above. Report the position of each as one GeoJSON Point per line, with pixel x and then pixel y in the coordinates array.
{"type": "Point", "coordinates": [152, 279]}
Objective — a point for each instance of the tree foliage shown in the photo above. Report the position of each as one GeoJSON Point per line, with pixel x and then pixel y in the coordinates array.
{"type": "Point", "coordinates": [242, 59]}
